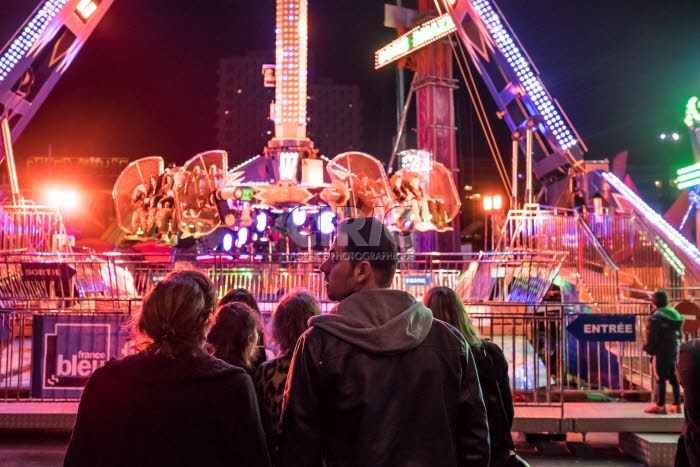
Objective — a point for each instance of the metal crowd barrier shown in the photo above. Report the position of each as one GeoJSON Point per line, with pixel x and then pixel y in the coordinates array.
{"type": "Point", "coordinates": [27, 280]}
{"type": "Point", "coordinates": [50, 302]}
{"type": "Point", "coordinates": [46, 355]}
{"type": "Point", "coordinates": [31, 227]}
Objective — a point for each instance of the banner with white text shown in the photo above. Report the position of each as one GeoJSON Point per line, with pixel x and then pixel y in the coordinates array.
{"type": "Point", "coordinates": [67, 349]}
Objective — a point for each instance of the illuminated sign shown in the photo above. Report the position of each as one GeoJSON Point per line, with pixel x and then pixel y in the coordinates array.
{"type": "Point", "coordinates": [692, 115]}
{"type": "Point", "coordinates": [418, 37]}
{"type": "Point", "coordinates": [688, 176]}
{"type": "Point", "coordinates": [604, 328]}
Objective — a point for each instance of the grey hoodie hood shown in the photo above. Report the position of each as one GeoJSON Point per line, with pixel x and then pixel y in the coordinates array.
{"type": "Point", "coordinates": [380, 321]}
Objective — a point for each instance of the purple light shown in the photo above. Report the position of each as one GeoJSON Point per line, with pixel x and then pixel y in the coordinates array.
{"type": "Point", "coordinates": [31, 32]}
{"type": "Point", "coordinates": [325, 222]}
{"type": "Point", "coordinates": [227, 241]}
{"type": "Point", "coordinates": [261, 222]}
{"type": "Point", "coordinates": [298, 217]}
{"type": "Point", "coordinates": [242, 236]}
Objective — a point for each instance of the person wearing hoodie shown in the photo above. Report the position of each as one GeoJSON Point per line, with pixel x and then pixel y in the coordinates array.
{"type": "Point", "coordinates": [663, 339]}
{"type": "Point", "coordinates": [377, 381]}
{"type": "Point", "coordinates": [688, 369]}
{"type": "Point", "coordinates": [171, 403]}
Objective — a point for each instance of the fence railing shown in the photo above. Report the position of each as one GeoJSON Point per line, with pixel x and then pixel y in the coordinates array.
{"type": "Point", "coordinates": [30, 280]}
{"type": "Point", "coordinates": [40, 351]}
{"type": "Point", "coordinates": [637, 250]}
{"type": "Point", "coordinates": [587, 264]}
{"type": "Point", "coordinates": [32, 228]}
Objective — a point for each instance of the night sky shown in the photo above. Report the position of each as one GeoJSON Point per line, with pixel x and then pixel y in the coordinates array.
{"type": "Point", "coordinates": [145, 82]}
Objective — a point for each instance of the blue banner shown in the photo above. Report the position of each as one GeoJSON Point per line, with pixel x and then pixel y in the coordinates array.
{"type": "Point", "coordinates": [67, 349]}
{"type": "Point", "coordinates": [604, 328]}
{"type": "Point", "coordinates": [420, 280]}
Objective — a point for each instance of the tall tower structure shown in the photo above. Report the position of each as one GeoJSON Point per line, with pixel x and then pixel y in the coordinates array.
{"type": "Point", "coordinates": [290, 142]}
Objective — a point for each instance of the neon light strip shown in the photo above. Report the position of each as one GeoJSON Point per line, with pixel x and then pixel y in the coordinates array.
{"type": "Point", "coordinates": [527, 77]}
{"type": "Point", "coordinates": [690, 168]}
{"type": "Point", "coordinates": [243, 163]}
{"type": "Point", "coordinates": [335, 164]}
{"type": "Point", "coordinates": [688, 176]}
{"type": "Point", "coordinates": [416, 38]}
{"type": "Point", "coordinates": [26, 39]}
{"type": "Point", "coordinates": [672, 234]}
{"type": "Point", "coordinates": [670, 256]}
{"type": "Point", "coordinates": [688, 183]}
{"type": "Point", "coordinates": [291, 64]}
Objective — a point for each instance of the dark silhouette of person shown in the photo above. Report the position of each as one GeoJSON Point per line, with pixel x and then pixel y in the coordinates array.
{"type": "Point", "coordinates": [663, 338]}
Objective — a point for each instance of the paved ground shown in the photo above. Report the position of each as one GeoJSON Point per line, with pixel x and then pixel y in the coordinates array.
{"type": "Point", "coordinates": [34, 450]}
{"type": "Point", "coordinates": [46, 450]}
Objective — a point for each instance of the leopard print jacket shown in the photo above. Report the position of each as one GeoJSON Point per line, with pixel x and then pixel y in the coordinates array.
{"type": "Point", "coordinates": [270, 379]}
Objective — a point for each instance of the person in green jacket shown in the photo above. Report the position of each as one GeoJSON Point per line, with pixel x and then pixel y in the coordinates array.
{"type": "Point", "coordinates": [663, 340]}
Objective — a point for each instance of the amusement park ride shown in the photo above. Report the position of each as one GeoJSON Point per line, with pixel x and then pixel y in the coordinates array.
{"type": "Point", "coordinates": [290, 198]}
{"type": "Point", "coordinates": [291, 186]}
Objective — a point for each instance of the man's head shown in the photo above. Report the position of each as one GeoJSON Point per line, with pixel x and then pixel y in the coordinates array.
{"type": "Point", "coordinates": [364, 256]}
{"type": "Point", "coordinates": [659, 299]}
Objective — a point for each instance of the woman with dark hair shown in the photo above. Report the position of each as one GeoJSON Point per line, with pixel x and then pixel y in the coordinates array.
{"type": "Point", "coordinates": [171, 403]}
{"type": "Point", "coordinates": [240, 296]}
{"type": "Point", "coordinates": [243, 296]}
{"type": "Point", "coordinates": [289, 321]}
{"type": "Point", "coordinates": [492, 368]}
{"type": "Point", "coordinates": [234, 335]}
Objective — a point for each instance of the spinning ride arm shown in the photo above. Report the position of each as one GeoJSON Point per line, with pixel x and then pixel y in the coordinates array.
{"type": "Point", "coordinates": [516, 87]}
{"type": "Point", "coordinates": [34, 59]}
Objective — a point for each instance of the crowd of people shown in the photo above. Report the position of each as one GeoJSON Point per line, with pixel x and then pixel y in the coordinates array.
{"type": "Point", "coordinates": [381, 380]}
{"type": "Point", "coordinates": [154, 212]}
{"type": "Point", "coordinates": [427, 212]}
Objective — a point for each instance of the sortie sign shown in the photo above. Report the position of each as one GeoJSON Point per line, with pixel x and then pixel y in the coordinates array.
{"type": "Point", "coordinates": [604, 328]}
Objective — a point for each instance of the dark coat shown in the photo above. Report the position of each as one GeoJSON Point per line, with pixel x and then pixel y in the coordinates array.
{"type": "Point", "coordinates": [378, 382]}
{"type": "Point", "coordinates": [689, 376]}
{"type": "Point", "coordinates": [492, 367]}
{"type": "Point", "coordinates": [152, 411]}
{"type": "Point", "coordinates": [663, 333]}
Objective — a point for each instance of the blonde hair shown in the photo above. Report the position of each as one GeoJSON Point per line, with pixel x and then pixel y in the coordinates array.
{"type": "Point", "coordinates": [447, 306]}
{"type": "Point", "coordinates": [290, 318]}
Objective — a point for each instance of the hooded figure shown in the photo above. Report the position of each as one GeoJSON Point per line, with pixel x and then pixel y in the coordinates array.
{"type": "Point", "coordinates": [663, 339]}
{"type": "Point", "coordinates": [378, 381]}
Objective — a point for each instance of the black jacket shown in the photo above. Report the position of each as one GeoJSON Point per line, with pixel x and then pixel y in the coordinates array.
{"type": "Point", "coordinates": [378, 382]}
{"type": "Point", "coordinates": [663, 333]}
{"type": "Point", "coordinates": [689, 377]}
{"type": "Point", "coordinates": [147, 410]}
{"type": "Point", "coordinates": [492, 367]}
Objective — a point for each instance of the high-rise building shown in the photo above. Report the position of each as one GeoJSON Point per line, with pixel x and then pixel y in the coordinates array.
{"type": "Point", "coordinates": [243, 106]}
{"type": "Point", "coordinates": [335, 117]}
{"type": "Point", "coordinates": [243, 111]}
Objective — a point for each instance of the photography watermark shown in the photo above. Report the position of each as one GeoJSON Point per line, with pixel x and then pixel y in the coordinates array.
{"type": "Point", "coordinates": [322, 256]}
{"type": "Point", "coordinates": [302, 234]}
